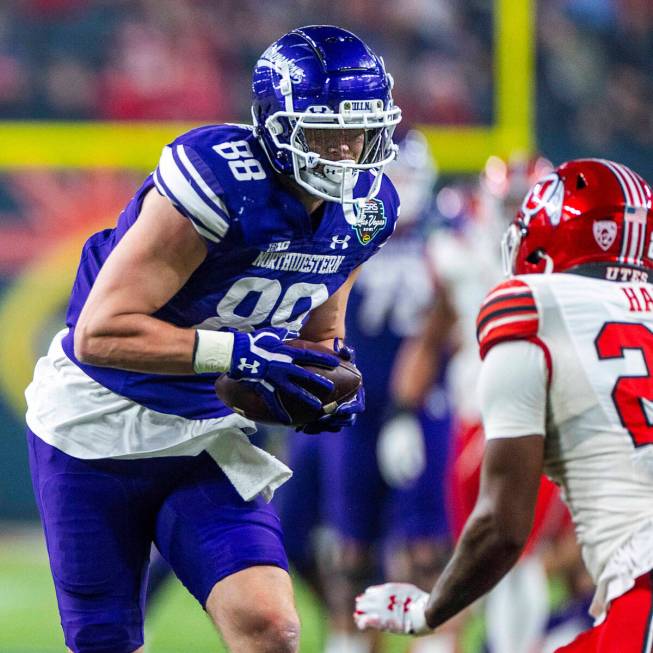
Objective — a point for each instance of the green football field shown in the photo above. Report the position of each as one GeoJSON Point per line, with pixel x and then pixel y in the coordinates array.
{"type": "Point", "coordinates": [29, 622]}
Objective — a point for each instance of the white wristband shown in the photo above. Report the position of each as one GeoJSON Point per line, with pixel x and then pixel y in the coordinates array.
{"type": "Point", "coordinates": [213, 351]}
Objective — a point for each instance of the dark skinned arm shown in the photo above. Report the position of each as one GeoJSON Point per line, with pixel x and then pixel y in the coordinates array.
{"type": "Point", "coordinates": [418, 360]}
{"type": "Point", "coordinates": [498, 528]}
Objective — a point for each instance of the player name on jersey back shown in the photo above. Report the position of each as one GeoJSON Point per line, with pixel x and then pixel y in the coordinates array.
{"type": "Point", "coordinates": [640, 298]}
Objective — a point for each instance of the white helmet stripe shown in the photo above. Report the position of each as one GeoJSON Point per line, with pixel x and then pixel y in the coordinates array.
{"type": "Point", "coordinates": [636, 215]}
{"type": "Point", "coordinates": [630, 184]}
{"type": "Point", "coordinates": [642, 240]}
{"type": "Point", "coordinates": [640, 196]}
{"type": "Point", "coordinates": [634, 242]}
{"type": "Point", "coordinates": [623, 256]}
{"type": "Point", "coordinates": [634, 230]}
{"type": "Point", "coordinates": [637, 195]}
{"type": "Point", "coordinates": [627, 188]}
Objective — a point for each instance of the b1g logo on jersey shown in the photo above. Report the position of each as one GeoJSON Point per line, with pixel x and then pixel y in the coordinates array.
{"type": "Point", "coordinates": [605, 232]}
{"type": "Point", "coordinates": [370, 221]}
{"type": "Point", "coordinates": [545, 196]}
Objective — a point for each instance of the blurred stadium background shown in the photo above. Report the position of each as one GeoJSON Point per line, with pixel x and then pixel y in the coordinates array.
{"type": "Point", "coordinates": [90, 90]}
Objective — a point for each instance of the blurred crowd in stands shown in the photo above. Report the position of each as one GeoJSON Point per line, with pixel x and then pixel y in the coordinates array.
{"type": "Point", "coordinates": [167, 59]}
{"type": "Point", "coordinates": [127, 59]}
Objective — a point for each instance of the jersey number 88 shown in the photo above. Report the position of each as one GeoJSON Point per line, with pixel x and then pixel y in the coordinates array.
{"type": "Point", "coordinates": [243, 165]}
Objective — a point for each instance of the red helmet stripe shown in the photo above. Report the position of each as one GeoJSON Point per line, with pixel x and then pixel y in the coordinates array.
{"type": "Point", "coordinates": [633, 197]}
{"type": "Point", "coordinates": [634, 226]}
{"type": "Point", "coordinates": [642, 238]}
{"type": "Point", "coordinates": [626, 235]}
{"type": "Point", "coordinates": [627, 191]}
{"type": "Point", "coordinates": [625, 240]}
{"type": "Point", "coordinates": [638, 216]}
{"type": "Point", "coordinates": [640, 195]}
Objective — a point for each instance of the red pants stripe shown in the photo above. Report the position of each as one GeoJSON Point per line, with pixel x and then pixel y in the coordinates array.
{"type": "Point", "coordinates": [628, 628]}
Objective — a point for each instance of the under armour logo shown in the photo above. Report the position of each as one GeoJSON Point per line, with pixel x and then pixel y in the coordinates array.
{"type": "Point", "coordinates": [393, 603]}
{"type": "Point", "coordinates": [244, 365]}
{"type": "Point", "coordinates": [342, 242]}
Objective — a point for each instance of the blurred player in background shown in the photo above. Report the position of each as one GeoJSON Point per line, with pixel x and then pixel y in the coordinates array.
{"type": "Point", "coordinates": [232, 245]}
{"type": "Point", "coordinates": [378, 486]}
{"type": "Point", "coordinates": [565, 387]}
{"type": "Point", "coordinates": [467, 262]}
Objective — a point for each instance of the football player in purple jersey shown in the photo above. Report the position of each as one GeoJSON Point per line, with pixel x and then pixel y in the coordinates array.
{"type": "Point", "coordinates": [243, 237]}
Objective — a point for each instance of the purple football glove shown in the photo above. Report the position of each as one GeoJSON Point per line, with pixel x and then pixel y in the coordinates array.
{"type": "Point", "coordinates": [263, 358]}
{"type": "Point", "coordinates": [345, 414]}
{"type": "Point", "coordinates": [345, 352]}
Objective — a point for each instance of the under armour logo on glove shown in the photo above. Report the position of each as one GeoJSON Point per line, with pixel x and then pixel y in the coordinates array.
{"type": "Point", "coordinates": [263, 356]}
{"type": "Point", "coordinates": [394, 607]}
{"type": "Point", "coordinates": [244, 365]}
{"type": "Point", "coordinates": [394, 603]}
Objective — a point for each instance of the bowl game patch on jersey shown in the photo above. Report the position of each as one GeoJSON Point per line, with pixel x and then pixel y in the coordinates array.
{"type": "Point", "coordinates": [371, 221]}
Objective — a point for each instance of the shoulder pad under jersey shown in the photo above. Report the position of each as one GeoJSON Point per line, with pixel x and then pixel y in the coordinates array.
{"type": "Point", "coordinates": [190, 175]}
{"type": "Point", "coordinates": [508, 312]}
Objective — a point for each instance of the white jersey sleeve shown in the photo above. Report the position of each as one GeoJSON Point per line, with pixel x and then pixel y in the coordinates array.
{"type": "Point", "coordinates": [512, 390]}
{"type": "Point", "coordinates": [183, 178]}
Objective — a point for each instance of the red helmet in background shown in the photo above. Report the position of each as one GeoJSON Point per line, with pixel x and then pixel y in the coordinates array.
{"type": "Point", "coordinates": [585, 211]}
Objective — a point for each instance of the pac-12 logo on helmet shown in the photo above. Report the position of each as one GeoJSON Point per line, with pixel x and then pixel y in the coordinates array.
{"type": "Point", "coordinates": [324, 78]}
{"type": "Point", "coordinates": [587, 211]}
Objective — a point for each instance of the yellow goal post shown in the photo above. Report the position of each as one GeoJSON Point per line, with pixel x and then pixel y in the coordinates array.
{"type": "Point", "coordinates": [137, 145]}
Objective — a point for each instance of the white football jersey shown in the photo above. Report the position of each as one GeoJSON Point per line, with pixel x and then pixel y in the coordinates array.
{"type": "Point", "coordinates": [596, 337]}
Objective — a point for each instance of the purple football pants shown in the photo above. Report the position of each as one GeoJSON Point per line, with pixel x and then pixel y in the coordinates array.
{"type": "Point", "coordinates": [101, 516]}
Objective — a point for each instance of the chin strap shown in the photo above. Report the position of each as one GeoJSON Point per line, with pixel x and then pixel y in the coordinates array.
{"type": "Point", "coordinates": [329, 181]}
{"type": "Point", "coordinates": [548, 266]}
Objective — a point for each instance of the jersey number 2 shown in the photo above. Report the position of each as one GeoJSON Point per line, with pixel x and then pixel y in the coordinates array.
{"type": "Point", "coordinates": [630, 392]}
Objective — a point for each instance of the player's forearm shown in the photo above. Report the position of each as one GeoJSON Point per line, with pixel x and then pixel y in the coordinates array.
{"type": "Point", "coordinates": [483, 556]}
{"type": "Point", "coordinates": [324, 336]}
{"type": "Point", "coordinates": [413, 374]}
{"type": "Point", "coordinates": [419, 358]}
{"type": "Point", "coordinates": [138, 343]}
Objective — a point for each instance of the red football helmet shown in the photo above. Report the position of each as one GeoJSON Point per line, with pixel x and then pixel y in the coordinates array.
{"type": "Point", "coordinates": [585, 211]}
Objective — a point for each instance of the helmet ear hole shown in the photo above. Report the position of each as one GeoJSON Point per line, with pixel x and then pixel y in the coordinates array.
{"type": "Point", "coordinates": [535, 256]}
{"type": "Point", "coordinates": [581, 182]}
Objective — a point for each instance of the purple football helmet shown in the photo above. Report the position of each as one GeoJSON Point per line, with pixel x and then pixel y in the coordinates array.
{"type": "Point", "coordinates": [324, 78]}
